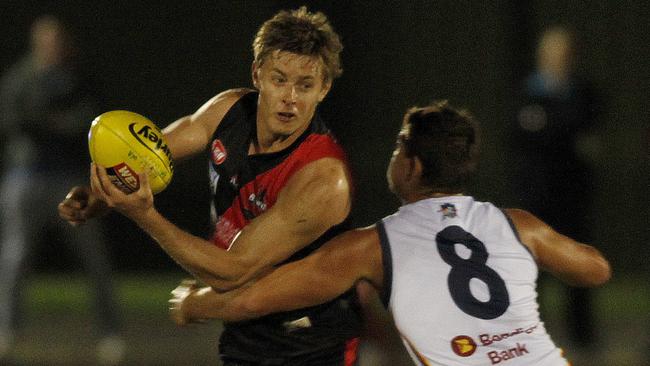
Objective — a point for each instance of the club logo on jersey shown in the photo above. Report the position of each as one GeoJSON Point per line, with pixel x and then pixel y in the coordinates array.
{"type": "Point", "coordinates": [218, 152]}
{"type": "Point", "coordinates": [463, 345]}
{"type": "Point", "coordinates": [234, 180]}
{"type": "Point", "coordinates": [256, 205]}
{"type": "Point", "coordinates": [448, 210]}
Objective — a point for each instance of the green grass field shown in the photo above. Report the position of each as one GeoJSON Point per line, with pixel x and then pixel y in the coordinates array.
{"type": "Point", "coordinates": [58, 328]}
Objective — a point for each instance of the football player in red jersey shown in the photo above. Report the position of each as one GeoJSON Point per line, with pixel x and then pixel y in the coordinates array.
{"type": "Point", "coordinates": [280, 185]}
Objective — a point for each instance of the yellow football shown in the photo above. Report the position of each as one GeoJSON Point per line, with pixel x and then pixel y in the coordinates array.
{"type": "Point", "coordinates": [127, 144]}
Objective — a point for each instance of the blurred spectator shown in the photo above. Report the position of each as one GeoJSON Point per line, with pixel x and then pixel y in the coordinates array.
{"type": "Point", "coordinates": [553, 180]}
{"type": "Point", "coordinates": [45, 112]}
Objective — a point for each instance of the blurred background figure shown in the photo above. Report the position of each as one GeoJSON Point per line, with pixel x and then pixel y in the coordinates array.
{"type": "Point", "coordinates": [45, 111]}
{"type": "Point", "coordinates": [554, 180]}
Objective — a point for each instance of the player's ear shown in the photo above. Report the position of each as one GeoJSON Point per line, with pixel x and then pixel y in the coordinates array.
{"type": "Point", "coordinates": [416, 168]}
{"type": "Point", "coordinates": [327, 85]}
{"type": "Point", "coordinates": [255, 70]}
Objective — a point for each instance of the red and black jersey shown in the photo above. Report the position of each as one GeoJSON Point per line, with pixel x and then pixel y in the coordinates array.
{"type": "Point", "coordinates": [243, 187]}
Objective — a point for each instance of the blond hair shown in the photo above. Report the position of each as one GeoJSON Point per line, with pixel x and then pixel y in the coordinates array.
{"type": "Point", "coordinates": [304, 33]}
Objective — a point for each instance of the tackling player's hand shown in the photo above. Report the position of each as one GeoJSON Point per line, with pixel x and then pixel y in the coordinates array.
{"type": "Point", "coordinates": [179, 302]}
{"type": "Point", "coordinates": [80, 204]}
{"type": "Point", "coordinates": [133, 205]}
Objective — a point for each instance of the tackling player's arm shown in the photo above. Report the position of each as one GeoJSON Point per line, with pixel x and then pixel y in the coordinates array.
{"type": "Point", "coordinates": [575, 263]}
{"type": "Point", "coordinates": [322, 276]}
{"type": "Point", "coordinates": [314, 199]}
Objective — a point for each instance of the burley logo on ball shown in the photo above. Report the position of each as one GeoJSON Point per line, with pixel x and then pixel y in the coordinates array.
{"type": "Point", "coordinates": [155, 137]}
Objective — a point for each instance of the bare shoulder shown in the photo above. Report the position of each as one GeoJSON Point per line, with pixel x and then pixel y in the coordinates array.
{"type": "Point", "coordinates": [526, 222]}
{"type": "Point", "coordinates": [327, 175]}
{"type": "Point", "coordinates": [320, 192]}
{"type": "Point", "coordinates": [217, 107]}
{"type": "Point", "coordinates": [531, 229]}
{"type": "Point", "coordinates": [522, 216]}
{"type": "Point", "coordinates": [325, 179]}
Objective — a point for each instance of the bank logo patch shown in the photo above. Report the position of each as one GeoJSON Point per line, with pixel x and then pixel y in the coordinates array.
{"type": "Point", "coordinates": [463, 346]}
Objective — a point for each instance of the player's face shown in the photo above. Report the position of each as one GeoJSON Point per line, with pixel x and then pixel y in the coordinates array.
{"type": "Point", "coordinates": [291, 86]}
{"type": "Point", "coordinates": [398, 168]}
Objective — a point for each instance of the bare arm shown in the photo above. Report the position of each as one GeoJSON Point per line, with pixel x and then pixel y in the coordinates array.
{"type": "Point", "coordinates": [187, 136]}
{"type": "Point", "coordinates": [190, 135]}
{"type": "Point", "coordinates": [322, 276]}
{"type": "Point", "coordinates": [316, 198]}
{"type": "Point", "coordinates": [573, 262]}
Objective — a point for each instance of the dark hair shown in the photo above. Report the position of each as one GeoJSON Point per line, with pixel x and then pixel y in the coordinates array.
{"type": "Point", "coordinates": [446, 142]}
{"type": "Point", "coordinates": [303, 33]}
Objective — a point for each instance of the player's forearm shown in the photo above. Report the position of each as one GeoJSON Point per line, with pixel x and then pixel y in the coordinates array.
{"type": "Point", "coordinates": [293, 286]}
{"type": "Point", "coordinates": [206, 303]}
{"type": "Point", "coordinates": [205, 261]}
{"type": "Point", "coordinates": [584, 267]}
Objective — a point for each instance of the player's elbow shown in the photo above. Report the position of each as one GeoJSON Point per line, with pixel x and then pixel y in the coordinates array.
{"type": "Point", "coordinates": [600, 274]}
{"type": "Point", "coordinates": [220, 284]}
{"type": "Point", "coordinates": [241, 271]}
{"type": "Point", "coordinates": [600, 270]}
{"type": "Point", "coordinates": [595, 274]}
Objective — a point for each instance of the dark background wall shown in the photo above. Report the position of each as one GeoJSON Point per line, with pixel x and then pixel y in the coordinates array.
{"type": "Point", "coordinates": [164, 59]}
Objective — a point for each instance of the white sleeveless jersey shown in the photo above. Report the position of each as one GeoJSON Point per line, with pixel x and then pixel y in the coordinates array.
{"type": "Point", "coordinates": [462, 287]}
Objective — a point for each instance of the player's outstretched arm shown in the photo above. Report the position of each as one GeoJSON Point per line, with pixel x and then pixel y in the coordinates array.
{"type": "Point", "coordinates": [322, 276]}
{"type": "Point", "coordinates": [575, 263]}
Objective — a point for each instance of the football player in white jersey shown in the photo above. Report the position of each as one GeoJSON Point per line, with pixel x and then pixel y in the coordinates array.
{"type": "Point", "coordinates": [458, 275]}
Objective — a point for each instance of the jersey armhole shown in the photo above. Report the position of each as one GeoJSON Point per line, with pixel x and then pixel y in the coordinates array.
{"type": "Point", "coordinates": [514, 230]}
{"type": "Point", "coordinates": [387, 261]}
{"type": "Point", "coordinates": [240, 106]}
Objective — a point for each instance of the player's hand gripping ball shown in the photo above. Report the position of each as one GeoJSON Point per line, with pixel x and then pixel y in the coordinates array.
{"type": "Point", "coordinates": [127, 144]}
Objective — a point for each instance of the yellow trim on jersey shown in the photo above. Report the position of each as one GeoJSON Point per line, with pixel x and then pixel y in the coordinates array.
{"type": "Point", "coordinates": [568, 363]}
{"type": "Point", "coordinates": [417, 354]}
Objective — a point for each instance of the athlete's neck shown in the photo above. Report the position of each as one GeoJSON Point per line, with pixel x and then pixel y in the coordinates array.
{"type": "Point", "coordinates": [267, 142]}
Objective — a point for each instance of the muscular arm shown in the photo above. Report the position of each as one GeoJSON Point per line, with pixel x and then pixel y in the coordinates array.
{"type": "Point", "coordinates": [314, 199]}
{"type": "Point", "coordinates": [190, 135]}
{"type": "Point", "coordinates": [318, 278]}
{"type": "Point", "coordinates": [575, 263]}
